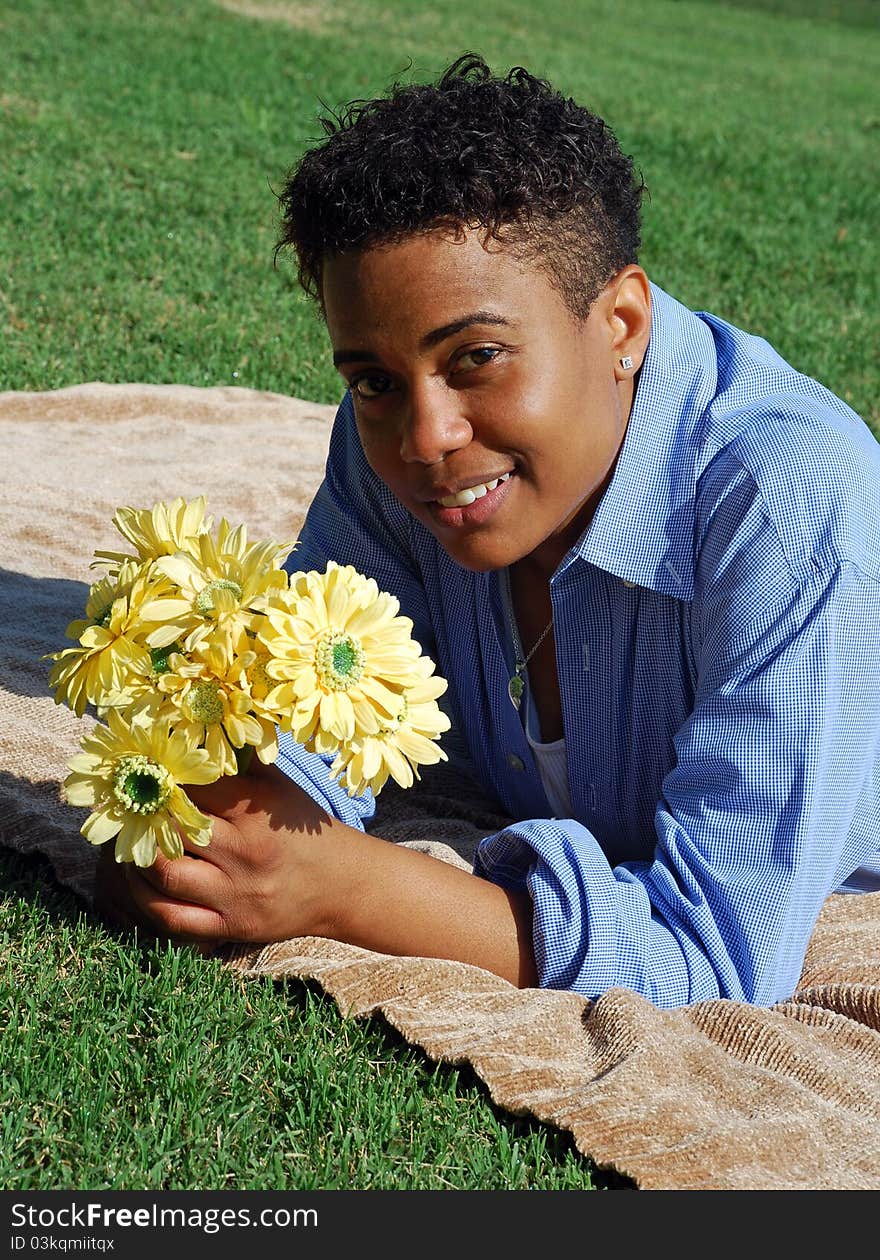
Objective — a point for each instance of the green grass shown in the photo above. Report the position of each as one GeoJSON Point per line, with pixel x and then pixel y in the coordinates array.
{"type": "Point", "coordinates": [152, 1068]}
{"type": "Point", "coordinates": [142, 141]}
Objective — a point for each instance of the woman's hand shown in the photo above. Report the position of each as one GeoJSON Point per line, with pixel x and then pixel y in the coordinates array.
{"type": "Point", "coordinates": [269, 872]}
{"type": "Point", "coordinates": [278, 866]}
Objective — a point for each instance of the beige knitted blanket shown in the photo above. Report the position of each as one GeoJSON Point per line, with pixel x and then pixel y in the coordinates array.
{"type": "Point", "coordinates": [715, 1096]}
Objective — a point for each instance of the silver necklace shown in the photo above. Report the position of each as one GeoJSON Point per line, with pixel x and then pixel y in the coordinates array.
{"type": "Point", "coordinates": [516, 683]}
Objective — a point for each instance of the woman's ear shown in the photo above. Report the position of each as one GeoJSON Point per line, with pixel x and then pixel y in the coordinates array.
{"type": "Point", "coordinates": [629, 312]}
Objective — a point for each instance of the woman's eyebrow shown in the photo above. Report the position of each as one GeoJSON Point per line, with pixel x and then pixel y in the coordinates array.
{"type": "Point", "coordinates": [437, 335]}
{"type": "Point", "coordinates": [353, 356]}
{"type": "Point", "coordinates": [430, 339]}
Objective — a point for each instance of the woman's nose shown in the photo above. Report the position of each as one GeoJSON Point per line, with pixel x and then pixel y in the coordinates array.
{"type": "Point", "coordinates": [434, 424]}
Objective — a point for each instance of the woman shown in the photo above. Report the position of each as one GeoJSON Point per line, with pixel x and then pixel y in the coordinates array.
{"type": "Point", "coordinates": [640, 546]}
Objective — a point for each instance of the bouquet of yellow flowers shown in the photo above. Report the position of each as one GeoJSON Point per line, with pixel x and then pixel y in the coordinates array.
{"type": "Point", "coordinates": [198, 648]}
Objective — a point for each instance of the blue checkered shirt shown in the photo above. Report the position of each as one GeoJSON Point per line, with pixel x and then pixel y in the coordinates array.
{"type": "Point", "coordinates": [717, 634]}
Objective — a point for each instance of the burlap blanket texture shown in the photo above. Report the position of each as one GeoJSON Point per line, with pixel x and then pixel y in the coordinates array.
{"type": "Point", "coordinates": [719, 1095]}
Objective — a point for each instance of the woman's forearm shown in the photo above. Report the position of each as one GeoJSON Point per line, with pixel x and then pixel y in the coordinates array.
{"type": "Point", "coordinates": [400, 901]}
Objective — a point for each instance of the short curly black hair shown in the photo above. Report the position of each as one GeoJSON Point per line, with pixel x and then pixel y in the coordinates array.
{"type": "Point", "coordinates": [508, 155]}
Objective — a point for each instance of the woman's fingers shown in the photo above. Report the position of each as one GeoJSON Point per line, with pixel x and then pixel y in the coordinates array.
{"type": "Point", "coordinates": [180, 898]}
{"type": "Point", "coordinates": [188, 878]}
{"type": "Point", "coordinates": [187, 898]}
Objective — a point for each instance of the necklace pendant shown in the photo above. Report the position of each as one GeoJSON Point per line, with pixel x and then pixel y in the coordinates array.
{"type": "Point", "coordinates": [515, 688]}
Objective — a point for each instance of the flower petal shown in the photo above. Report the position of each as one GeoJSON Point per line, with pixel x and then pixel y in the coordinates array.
{"type": "Point", "coordinates": [103, 824]}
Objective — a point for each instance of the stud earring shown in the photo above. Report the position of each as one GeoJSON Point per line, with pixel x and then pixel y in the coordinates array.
{"type": "Point", "coordinates": [626, 362]}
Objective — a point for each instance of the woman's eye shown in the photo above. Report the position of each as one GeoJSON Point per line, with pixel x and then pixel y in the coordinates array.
{"type": "Point", "coordinates": [370, 386]}
{"type": "Point", "coordinates": [477, 358]}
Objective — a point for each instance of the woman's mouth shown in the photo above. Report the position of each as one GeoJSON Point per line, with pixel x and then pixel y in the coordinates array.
{"type": "Point", "coordinates": [471, 506]}
{"type": "Point", "coordinates": [465, 497]}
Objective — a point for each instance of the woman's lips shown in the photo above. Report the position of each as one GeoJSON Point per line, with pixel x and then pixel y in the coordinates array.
{"type": "Point", "coordinates": [477, 512]}
{"type": "Point", "coordinates": [467, 496]}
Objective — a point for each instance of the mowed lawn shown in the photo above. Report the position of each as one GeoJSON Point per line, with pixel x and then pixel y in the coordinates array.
{"type": "Point", "coordinates": [142, 144]}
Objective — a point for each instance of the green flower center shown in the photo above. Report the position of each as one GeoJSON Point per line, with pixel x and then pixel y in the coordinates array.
{"type": "Point", "coordinates": [207, 600]}
{"type": "Point", "coordinates": [339, 660]}
{"type": "Point", "coordinates": [102, 619]}
{"type": "Point", "coordinates": [159, 657]}
{"type": "Point", "coordinates": [205, 703]}
{"type": "Point", "coordinates": [141, 785]}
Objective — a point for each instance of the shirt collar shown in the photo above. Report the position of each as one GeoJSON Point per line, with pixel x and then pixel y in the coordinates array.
{"type": "Point", "coordinates": [643, 529]}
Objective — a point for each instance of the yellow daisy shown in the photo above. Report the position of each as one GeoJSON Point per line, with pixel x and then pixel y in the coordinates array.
{"type": "Point", "coordinates": [130, 776]}
{"type": "Point", "coordinates": [222, 586]}
{"type": "Point", "coordinates": [111, 641]}
{"type": "Point", "coordinates": [207, 699]}
{"type": "Point", "coordinates": [341, 655]}
{"type": "Point", "coordinates": [254, 679]}
{"type": "Point", "coordinates": [402, 745]}
{"type": "Point", "coordinates": [99, 603]}
{"type": "Point", "coordinates": [142, 680]}
{"type": "Point", "coordinates": [161, 530]}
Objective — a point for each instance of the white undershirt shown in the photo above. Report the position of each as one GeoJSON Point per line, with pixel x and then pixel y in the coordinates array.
{"type": "Point", "coordinates": [552, 765]}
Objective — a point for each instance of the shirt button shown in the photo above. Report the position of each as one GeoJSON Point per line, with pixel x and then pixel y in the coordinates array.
{"type": "Point", "coordinates": [515, 763]}
{"type": "Point", "coordinates": [630, 584]}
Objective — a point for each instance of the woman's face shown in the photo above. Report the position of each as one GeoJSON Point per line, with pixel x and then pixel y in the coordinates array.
{"type": "Point", "coordinates": [490, 411]}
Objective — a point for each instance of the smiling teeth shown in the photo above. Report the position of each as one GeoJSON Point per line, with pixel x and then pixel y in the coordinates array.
{"type": "Point", "coordinates": [464, 497]}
